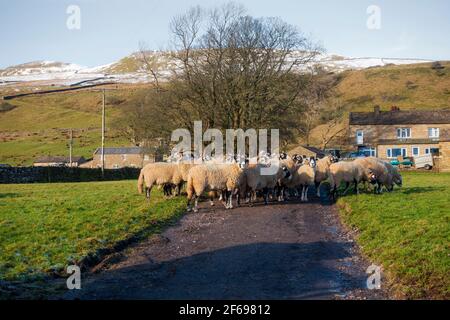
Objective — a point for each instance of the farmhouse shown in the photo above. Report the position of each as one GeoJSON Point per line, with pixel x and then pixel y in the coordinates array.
{"type": "Point", "coordinates": [52, 161]}
{"type": "Point", "coordinates": [409, 133]}
{"type": "Point", "coordinates": [121, 157]}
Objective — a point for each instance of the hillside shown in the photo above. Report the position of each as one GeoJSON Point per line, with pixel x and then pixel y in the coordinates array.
{"type": "Point", "coordinates": [415, 86]}
{"type": "Point", "coordinates": [37, 125]}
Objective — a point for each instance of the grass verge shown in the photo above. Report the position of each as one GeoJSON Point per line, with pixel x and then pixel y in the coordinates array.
{"type": "Point", "coordinates": [45, 227]}
{"type": "Point", "coordinates": [408, 233]}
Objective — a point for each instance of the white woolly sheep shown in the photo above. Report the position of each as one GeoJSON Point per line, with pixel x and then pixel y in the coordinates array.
{"type": "Point", "coordinates": [396, 177]}
{"type": "Point", "coordinates": [256, 181]}
{"type": "Point", "coordinates": [322, 171]}
{"type": "Point", "coordinates": [348, 172]}
{"type": "Point", "coordinates": [305, 177]}
{"type": "Point", "coordinates": [159, 173]}
{"type": "Point", "coordinates": [214, 177]}
{"type": "Point", "coordinates": [383, 177]}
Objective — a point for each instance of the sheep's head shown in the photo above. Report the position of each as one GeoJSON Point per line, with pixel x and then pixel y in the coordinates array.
{"type": "Point", "coordinates": [398, 180]}
{"type": "Point", "coordinates": [286, 173]}
{"type": "Point", "coordinates": [283, 155]}
{"type": "Point", "coordinates": [312, 162]}
{"type": "Point", "coordinates": [334, 159]}
{"type": "Point", "coordinates": [243, 163]}
{"type": "Point", "coordinates": [298, 159]}
{"type": "Point", "coordinates": [371, 176]}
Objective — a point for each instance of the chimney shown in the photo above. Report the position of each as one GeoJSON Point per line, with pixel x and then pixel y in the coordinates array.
{"type": "Point", "coordinates": [376, 110]}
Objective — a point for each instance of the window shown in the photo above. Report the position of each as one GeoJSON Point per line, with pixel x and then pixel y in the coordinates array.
{"type": "Point", "coordinates": [359, 137]}
{"type": "Point", "coordinates": [433, 132]}
{"type": "Point", "coordinates": [403, 133]}
{"type": "Point", "coordinates": [434, 151]}
{"type": "Point", "coordinates": [427, 150]}
{"type": "Point", "coordinates": [367, 152]}
{"type": "Point", "coordinates": [415, 151]}
{"type": "Point", "coordinates": [396, 152]}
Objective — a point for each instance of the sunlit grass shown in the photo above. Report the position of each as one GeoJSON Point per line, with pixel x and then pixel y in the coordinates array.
{"type": "Point", "coordinates": [45, 227]}
{"type": "Point", "coordinates": [408, 232]}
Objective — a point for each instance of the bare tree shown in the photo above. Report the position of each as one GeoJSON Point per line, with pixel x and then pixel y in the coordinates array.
{"type": "Point", "coordinates": [232, 71]}
{"type": "Point", "coordinates": [333, 127]}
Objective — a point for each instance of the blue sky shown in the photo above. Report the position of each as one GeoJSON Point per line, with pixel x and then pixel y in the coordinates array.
{"type": "Point", "coordinates": [110, 29]}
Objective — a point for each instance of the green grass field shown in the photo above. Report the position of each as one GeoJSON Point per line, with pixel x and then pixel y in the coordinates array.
{"type": "Point", "coordinates": [407, 232]}
{"type": "Point", "coordinates": [45, 227]}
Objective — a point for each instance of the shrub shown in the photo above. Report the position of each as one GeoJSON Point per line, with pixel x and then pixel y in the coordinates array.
{"type": "Point", "coordinates": [5, 106]}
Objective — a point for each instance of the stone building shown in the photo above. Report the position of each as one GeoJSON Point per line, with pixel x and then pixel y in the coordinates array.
{"type": "Point", "coordinates": [56, 161]}
{"type": "Point", "coordinates": [120, 157]}
{"type": "Point", "coordinates": [394, 133]}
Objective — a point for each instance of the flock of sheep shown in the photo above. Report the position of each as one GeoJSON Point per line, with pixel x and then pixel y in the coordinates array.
{"type": "Point", "coordinates": [247, 179]}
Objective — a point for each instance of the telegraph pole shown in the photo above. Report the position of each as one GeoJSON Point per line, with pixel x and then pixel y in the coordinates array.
{"type": "Point", "coordinates": [103, 132]}
{"type": "Point", "coordinates": [70, 147]}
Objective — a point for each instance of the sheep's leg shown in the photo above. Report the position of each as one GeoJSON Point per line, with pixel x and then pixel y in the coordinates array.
{"type": "Point", "coordinates": [189, 202]}
{"type": "Point", "coordinates": [347, 186]}
{"type": "Point", "coordinates": [211, 199]}
{"type": "Point", "coordinates": [223, 196]}
{"type": "Point", "coordinates": [179, 189]}
{"type": "Point", "coordinates": [148, 191]}
{"type": "Point", "coordinates": [266, 196]}
{"type": "Point", "coordinates": [230, 200]}
{"type": "Point", "coordinates": [196, 203]}
{"type": "Point", "coordinates": [356, 186]}
{"type": "Point", "coordinates": [333, 192]}
{"type": "Point", "coordinates": [286, 195]}
{"type": "Point", "coordinates": [306, 192]}
{"type": "Point", "coordinates": [317, 185]}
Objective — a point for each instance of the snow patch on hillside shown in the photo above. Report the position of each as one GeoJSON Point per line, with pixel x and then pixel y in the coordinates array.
{"type": "Point", "coordinates": [58, 73]}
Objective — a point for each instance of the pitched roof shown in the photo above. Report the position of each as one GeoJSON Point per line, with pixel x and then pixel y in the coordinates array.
{"type": "Point", "coordinates": [57, 159]}
{"type": "Point", "coordinates": [120, 150]}
{"type": "Point", "coordinates": [401, 117]}
{"type": "Point", "coordinates": [312, 149]}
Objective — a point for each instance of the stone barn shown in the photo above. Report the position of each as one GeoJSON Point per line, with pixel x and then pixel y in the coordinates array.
{"type": "Point", "coordinates": [120, 157]}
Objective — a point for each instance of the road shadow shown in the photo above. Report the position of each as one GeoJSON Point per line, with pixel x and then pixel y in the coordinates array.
{"type": "Point", "coordinates": [250, 271]}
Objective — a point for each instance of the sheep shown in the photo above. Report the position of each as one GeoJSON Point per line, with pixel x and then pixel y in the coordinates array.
{"type": "Point", "coordinates": [383, 177]}
{"type": "Point", "coordinates": [305, 177]}
{"type": "Point", "coordinates": [255, 181]}
{"type": "Point", "coordinates": [322, 171]}
{"type": "Point", "coordinates": [214, 177]}
{"type": "Point", "coordinates": [160, 173]}
{"type": "Point", "coordinates": [285, 182]}
{"type": "Point", "coordinates": [348, 172]}
{"type": "Point", "coordinates": [396, 176]}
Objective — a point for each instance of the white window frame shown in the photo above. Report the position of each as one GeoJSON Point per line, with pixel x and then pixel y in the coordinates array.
{"type": "Point", "coordinates": [389, 151]}
{"type": "Point", "coordinates": [433, 132]}
{"type": "Point", "coordinates": [427, 150]}
{"type": "Point", "coordinates": [412, 151]}
{"type": "Point", "coordinates": [406, 131]}
{"type": "Point", "coordinates": [361, 132]}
